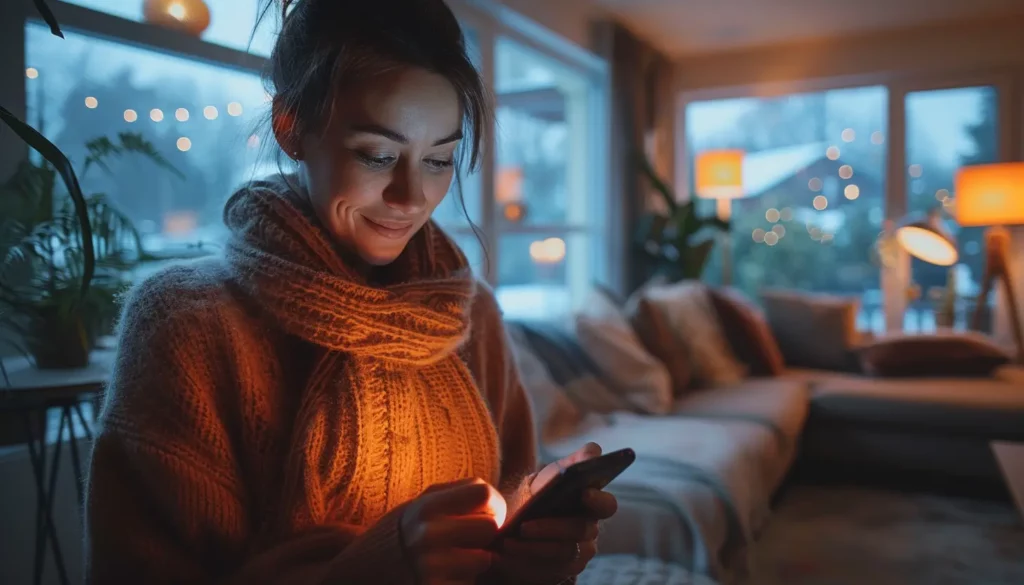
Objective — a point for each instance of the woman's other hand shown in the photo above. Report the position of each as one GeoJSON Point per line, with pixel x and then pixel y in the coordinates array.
{"type": "Point", "coordinates": [447, 529]}
{"type": "Point", "coordinates": [550, 550]}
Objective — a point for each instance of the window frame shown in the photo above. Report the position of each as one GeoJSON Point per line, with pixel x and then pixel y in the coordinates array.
{"type": "Point", "coordinates": [1008, 82]}
{"type": "Point", "coordinates": [488, 19]}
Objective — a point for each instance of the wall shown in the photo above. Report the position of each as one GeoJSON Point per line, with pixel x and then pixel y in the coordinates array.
{"type": "Point", "coordinates": [922, 51]}
{"type": "Point", "coordinates": [568, 18]}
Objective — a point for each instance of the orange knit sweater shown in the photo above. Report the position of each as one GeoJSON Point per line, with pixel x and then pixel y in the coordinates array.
{"type": "Point", "coordinates": [202, 439]}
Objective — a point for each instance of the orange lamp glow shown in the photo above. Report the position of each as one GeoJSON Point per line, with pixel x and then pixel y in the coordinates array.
{"type": "Point", "coordinates": [990, 195]}
{"type": "Point", "coordinates": [719, 174]}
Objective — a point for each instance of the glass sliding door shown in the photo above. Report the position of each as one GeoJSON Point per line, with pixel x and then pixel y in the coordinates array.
{"type": "Point", "coordinates": [947, 129]}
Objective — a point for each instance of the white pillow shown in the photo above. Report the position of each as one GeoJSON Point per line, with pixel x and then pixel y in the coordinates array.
{"type": "Point", "coordinates": [606, 335]}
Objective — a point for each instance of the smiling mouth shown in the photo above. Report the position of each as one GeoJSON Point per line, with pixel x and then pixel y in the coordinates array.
{"type": "Point", "coordinates": [389, 229]}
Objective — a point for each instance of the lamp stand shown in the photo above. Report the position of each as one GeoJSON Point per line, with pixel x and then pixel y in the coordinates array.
{"type": "Point", "coordinates": [723, 208]}
{"type": "Point", "coordinates": [997, 267]}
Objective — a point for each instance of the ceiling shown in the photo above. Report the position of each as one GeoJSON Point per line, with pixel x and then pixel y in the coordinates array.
{"type": "Point", "coordinates": [684, 27]}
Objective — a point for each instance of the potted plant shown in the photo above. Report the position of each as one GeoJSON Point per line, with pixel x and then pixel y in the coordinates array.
{"type": "Point", "coordinates": [44, 296]}
{"type": "Point", "coordinates": [675, 244]}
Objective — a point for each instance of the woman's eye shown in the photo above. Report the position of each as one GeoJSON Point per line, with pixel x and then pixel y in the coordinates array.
{"type": "Point", "coordinates": [375, 161]}
{"type": "Point", "coordinates": [440, 164]}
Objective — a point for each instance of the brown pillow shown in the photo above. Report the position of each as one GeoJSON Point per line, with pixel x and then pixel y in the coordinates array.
{"type": "Point", "coordinates": [814, 330]}
{"type": "Point", "coordinates": [747, 332]}
{"type": "Point", "coordinates": [656, 337]}
{"type": "Point", "coordinates": [946, 355]}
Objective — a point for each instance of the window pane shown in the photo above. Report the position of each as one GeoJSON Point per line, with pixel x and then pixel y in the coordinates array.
{"type": "Point", "coordinates": [86, 88]}
{"type": "Point", "coordinates": [814, 184]}
{"type": "Point", "coordinates": [464, 202]}
{"type": "Point", "coordinates": [535, 273]}
{"type": "Point", "coordinates": [947, 129]}
{"type": "Point", "coordinates": [542, 140]}
{"type": "Point", "coordinates": [231, 21]}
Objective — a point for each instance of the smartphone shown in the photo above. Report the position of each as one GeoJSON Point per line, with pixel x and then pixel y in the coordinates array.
{"type": "Point", "coordinates": [563, 495]}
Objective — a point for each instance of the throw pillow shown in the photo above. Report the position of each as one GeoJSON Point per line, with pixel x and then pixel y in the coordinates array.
{"type": "Point", "coordinates": [572, 369]}
{"type": "Point", "coordinates": [953, 354]}
{"type": "Point", "coordinates": [606, 335]}
{"type": "Point", "coordinates": [747, 332]}
{"type": "Point", "coordinates": [687, 328]}
{"type": "Point", "coordinates": [813, 330]}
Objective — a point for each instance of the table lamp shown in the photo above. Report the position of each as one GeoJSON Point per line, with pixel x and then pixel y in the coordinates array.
{"type": "Point", "coordinates": [718, 175]}
{"type": "Point", "coordinates": [992, 196]}
{"type": "Point", "coordinates": [924, 237]}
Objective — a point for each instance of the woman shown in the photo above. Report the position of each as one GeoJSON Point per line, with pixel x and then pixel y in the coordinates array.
{"type": "Point", "coordinates": [332, 401]}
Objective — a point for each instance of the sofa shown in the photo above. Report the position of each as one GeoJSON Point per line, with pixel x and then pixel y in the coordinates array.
{"type": "Point", "coordinates": [711, 458]}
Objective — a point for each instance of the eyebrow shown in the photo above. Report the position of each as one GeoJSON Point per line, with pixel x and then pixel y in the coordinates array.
{"type": "Point", "coordinates": [398, 136]}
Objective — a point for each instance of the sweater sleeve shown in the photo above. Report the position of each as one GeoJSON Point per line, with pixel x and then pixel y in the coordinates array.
{"type": "Point", "coordinates": [166, 502]}
{"type": "Point", "coordinates": [495, 368]}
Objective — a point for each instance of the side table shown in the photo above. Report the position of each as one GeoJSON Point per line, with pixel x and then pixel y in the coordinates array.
{"type": "Point", "coordinates": [31, 394]}
{"type": "Point", "coordinates": [1010, 457]}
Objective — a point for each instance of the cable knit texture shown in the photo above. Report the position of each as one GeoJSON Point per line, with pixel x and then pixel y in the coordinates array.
{"type": "Point", "coordinates": [270, 414]}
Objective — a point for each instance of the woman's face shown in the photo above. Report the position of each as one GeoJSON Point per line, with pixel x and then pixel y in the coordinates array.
{"type": "Point", "coordinates": [384, 162]}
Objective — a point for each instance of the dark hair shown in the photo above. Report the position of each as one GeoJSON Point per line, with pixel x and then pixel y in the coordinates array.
{"type": "Point", "coordinates": [326, 46]}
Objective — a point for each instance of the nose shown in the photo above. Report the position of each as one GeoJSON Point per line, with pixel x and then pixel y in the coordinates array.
{"type": "Point", "coordinates": [405, 191]}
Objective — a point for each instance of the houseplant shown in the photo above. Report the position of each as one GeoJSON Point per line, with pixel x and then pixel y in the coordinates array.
{"type": "Point", "coordinates": [673, 244]}
{"type": "Point", "coordinates": [42, 258]}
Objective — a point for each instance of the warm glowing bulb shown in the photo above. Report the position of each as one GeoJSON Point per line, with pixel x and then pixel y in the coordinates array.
{"type": "Point", "coordinates": [877, 137]}
{"type": "Point", "coordinates": [820, 202]}
{"type": "Point", "coordinates": [845, 172]}
{"type": "Point", "coordinates": [771, 238]}
{"type": "Point", "coordinates": [851, 192]}
{"type": "Point", "coordinates": [758, 235]}
{"type": "Point", "coordinates": [177, 10]}
{"type": "Point", "coordinates": [253, 141]}
{"type": "Point", "coordinates": [234, 109]}
{"type": "Point", "coordinates": [814, 184]}
{"type": "Point", "coordinates": [32, 73]}
{"type": "Point", "coordinates": [181, 114]}
{"type": "Point", "coordinates": [772, 215]}
{"type": "Point", "coordinates": [130, 115]}
{"type": "Point", "coordinates": [156, 114]}
{"type": "Point", "coordinates": [832, 153]}
{"type": "Point", "coordinates": [914, 170]}
{"type": "Point", "coordinates": [91, 102]}
{"type": "Point", "coordinates": [210, 113]}
{"type": "Point", "coordinates": [942, 194]}
{"type": "Point", "coordinates": [849, 135]}
{"type": "Point", "coordinates": [779, 229]}
{"type": "Point", "coordinates": [927, 245]}
{"type": "Point", "coordinates": [549, 251]}
{"type": "Point", "coordinates": [184, 144]}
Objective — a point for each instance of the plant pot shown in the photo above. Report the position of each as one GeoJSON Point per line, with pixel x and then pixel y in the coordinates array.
{"type": "Point", "coordinates": [60, 341]}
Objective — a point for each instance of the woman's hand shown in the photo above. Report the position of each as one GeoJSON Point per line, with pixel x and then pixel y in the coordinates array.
{"type": "Point", "coordinates": [447, 529]}
{"type": "Point", "coordinates": [550, 550]}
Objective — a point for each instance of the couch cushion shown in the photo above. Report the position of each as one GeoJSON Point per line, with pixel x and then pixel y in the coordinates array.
{"type": "Point", "coordinates": [984, 407]}
{"type": "Point", "coordinates": [779, 405]}
{"type": "Point", "coordinates": [963, 354]}
{"type": "Point", "coordinates": [697, 492]}
{"type": "Point", "coordinates": [747, 331]}
{"type": "Point", "coordinates": [814, 330]}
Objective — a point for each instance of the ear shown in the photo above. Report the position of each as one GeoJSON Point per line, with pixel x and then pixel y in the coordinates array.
{"type": "Point", "coordinates": [282, 120]}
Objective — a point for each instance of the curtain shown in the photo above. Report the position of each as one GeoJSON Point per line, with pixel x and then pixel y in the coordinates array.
{"type": "Point", "coordinates": [643, 120]}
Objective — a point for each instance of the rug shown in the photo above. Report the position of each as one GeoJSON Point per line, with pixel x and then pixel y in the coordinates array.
{"type": "Point", "coordinates": [855, 536]}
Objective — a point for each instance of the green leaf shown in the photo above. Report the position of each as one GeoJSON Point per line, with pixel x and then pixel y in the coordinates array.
{"type": "Point", "coordinates": [61, 163]}
{"type": "Point", "coordinates": [48, 17]}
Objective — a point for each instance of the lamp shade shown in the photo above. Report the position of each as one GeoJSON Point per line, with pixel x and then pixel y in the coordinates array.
{"type": "Point", "coordinates": [924, 237]}
{"type": "Point", "coordinates": [718, 174]}
{"type": "Point", "coordinates": [988, 195]}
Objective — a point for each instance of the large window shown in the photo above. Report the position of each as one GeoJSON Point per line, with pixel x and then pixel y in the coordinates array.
{"type": "Point", "coordinates": [947, 129]}
{"type": "Point", "coordinates": [531, 231]}
{"type": "Point", "coordinates": [202, 118]}
{"type": "Point", "coordinates": [814, 184]}
{"type": "Point", "coordinates": [546, 209]}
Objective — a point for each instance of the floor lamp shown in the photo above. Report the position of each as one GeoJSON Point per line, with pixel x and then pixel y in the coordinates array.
{"type": "Point", "coordinates": [718, 175]}
{"type": "Point", "coordinates": [992, 196]}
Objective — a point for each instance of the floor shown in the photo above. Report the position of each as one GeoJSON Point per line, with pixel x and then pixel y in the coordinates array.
{"type": "Point", "coordinates": [833, 535]}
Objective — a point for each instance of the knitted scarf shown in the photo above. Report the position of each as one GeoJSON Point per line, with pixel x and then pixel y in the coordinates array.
{"type": "Point", "coordinates": [374, 425]}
